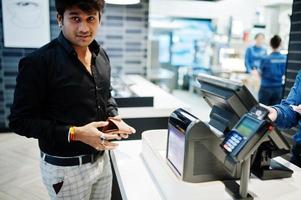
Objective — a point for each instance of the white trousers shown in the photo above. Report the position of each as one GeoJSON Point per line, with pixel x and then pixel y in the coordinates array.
{"type": "Point", "coordinates": [90, 181]}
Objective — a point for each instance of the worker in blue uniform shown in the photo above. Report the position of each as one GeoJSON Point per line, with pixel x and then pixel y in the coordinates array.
{"type": "Point", "coordinates": [254, 54]}
{"type": "Point", "coordinates": [287, 114]}
{"type": "Point", "coordinates": [272, 71]}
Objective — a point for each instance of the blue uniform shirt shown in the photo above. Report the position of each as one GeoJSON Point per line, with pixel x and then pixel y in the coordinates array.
{"type": "Point", "coordinates": [272, 69]}
{"type": "Point", "coordinates": [287, 117]}
{"type": "Point", "coordinates": [253, 57]}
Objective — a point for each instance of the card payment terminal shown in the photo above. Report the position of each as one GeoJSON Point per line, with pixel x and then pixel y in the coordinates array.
{"type": "Point", "coordinates": [246, 135]}
{"type": "Point", "coordinates": [240, 143]}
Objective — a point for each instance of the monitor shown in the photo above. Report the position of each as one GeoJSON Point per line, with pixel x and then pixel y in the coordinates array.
{"type": "Point", "coordinates": [230, 100]}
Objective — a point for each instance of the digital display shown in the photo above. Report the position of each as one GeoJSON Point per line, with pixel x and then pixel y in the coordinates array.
{"type": "Point", "coordinates": [247, 126]}
{"type": "Point", "coordinates": [176, 145]}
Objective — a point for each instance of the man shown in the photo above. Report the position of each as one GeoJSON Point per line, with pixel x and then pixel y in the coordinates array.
{"type": "Point", "coordinates": [254, 54]}
{"type": "Point", "coordinates": [253, 57]}
{"type": "Point", "coordinates": [272, 71]}
{"type": "Point", "coordinates": [287, 115]}
{"type": "Point", "coordinates": [63, 98]}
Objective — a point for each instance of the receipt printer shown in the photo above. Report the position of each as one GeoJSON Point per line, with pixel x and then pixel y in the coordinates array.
{"type": "Point", "coordinates": [193, 151]}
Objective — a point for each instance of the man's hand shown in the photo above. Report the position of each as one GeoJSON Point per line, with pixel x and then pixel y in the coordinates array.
{"type": "Point", "coordinates": [89, 134]}
{"type": "Point", "coordinates": [123, 135]}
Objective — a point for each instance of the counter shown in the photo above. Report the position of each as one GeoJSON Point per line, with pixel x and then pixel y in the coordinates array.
{"type": "Point", "coordinates": [139, 181]}
{"type": "Point", "coordinates": [149, 118]}
{"type": "Point", "coordinates": [164, 102]}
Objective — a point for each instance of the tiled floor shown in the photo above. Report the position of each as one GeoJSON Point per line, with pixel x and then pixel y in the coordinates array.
{"type": "Point", "coordinates": [19, 169]}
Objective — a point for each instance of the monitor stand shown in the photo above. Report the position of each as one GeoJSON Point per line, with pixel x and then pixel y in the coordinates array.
{"type": "Point", "coordinates": [265, 168]}
{"type": "Point", "coordinates": [240, 192]}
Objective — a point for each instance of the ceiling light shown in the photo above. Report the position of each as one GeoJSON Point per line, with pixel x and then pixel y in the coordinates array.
{"type": "Point", "coordinates": [122, 2]}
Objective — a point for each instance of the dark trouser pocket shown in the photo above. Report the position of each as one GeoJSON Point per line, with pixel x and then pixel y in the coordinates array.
{"type": "Point", "coordinates": [57, 187]}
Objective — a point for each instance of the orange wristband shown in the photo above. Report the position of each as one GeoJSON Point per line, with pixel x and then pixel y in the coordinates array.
{"type": "Point", "coordinates": [72, 133]}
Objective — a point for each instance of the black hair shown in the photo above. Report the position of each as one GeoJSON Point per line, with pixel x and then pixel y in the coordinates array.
{"type": "Point", "coordinates": [258, 34]}
{"type": "Point", "coordinates": [84, 5]}
{"type": "Point", "coordinates": [275, 41]}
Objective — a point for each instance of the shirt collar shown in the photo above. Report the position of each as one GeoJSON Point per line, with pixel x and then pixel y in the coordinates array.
{"type": "Point", "coordinates": [94, 46]}
{"type": "Point", "coordinates": [276, 52]}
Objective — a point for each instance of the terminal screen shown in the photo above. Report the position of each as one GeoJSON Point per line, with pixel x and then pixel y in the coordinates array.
{"type": "Point", "coordinates": [176, 145]}
{"type": "Point", "coordinates": [247, 127]}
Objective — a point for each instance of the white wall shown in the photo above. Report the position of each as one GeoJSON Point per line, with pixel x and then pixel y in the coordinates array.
{"type": "Point", "coordinates": [221, 11]}
{"type": "Point", "coordinates": [180, 8]}
{"type": "Point", "coordinates": [278, 21]}
{"type": "Point", "coordinates": [274, 13]}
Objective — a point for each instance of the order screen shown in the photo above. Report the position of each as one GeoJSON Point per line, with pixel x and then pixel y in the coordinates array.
{"type": "Point", "coordinates": [247, 127]}
{"type": "Point", "coordinates": [176, 145]}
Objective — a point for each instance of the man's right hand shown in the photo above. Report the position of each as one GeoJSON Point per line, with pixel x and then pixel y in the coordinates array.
{"type": "Point", "coordinates": [89, 134]}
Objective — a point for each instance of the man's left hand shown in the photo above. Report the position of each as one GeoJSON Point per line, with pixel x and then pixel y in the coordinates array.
{"type": "Point", "coordinates": [124, 135]}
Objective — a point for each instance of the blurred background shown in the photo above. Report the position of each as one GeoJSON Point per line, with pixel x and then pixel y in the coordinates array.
{"type": "Point", "coordinates": [168, 42]}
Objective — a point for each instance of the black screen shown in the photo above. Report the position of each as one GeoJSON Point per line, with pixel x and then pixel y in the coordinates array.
{"type": "Point", "coordinates": [231, 101]}
{"type": "Point", "coordinates": [247, 127]}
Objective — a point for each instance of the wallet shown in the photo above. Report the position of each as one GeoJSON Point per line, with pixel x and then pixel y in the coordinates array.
{"type": "Point", "coordinates": [117, 126]}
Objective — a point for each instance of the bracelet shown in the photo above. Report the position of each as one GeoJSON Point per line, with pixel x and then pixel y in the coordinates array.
{"type": "Point", "coordinates": [71, 133]}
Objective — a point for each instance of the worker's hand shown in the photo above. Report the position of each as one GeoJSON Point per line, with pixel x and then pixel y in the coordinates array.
{"type": "Point", "coordinates": [255, 73]}
{"type": "Point", "coordinates": [123, 135]}
{"type": "Point", "coordinates": [273, 113]}
{"type": "Point", "coordinates": [89, 134]}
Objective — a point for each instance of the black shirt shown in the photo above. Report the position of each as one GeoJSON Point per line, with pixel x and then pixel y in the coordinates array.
{"type": "Point", "coordinates": [54, 91]}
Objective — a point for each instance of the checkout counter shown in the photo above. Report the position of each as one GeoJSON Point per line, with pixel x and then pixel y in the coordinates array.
{"type": "Point", "coordinates": [199, 160]}
{"type": "Point", "coordinates": [131, 92]}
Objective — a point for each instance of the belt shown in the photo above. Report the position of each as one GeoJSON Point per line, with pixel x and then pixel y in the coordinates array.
{"type": "Point", "coordinates": [71, 161]}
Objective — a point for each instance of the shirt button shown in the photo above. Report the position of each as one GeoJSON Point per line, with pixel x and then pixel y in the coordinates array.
{"type": "Point", "coordinates": [98, 107]}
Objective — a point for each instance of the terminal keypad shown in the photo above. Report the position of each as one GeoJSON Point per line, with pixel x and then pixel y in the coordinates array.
{"type": "Point", "coordinates": [232, 141]}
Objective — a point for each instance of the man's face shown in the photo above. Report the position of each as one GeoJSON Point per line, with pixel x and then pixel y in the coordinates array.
{"type": "Point", "coordinates": [259, 40]}
{"type": "Point", "coordinates": [79, 27]}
